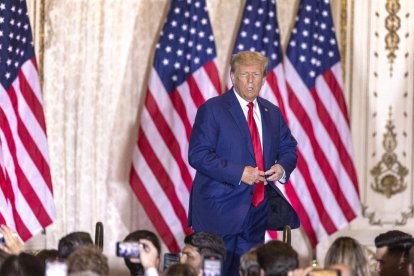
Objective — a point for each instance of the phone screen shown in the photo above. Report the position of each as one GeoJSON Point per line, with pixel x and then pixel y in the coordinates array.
{"type": "Point", "coordinates": [212, 265]}
{"type": "Point", "coordinates": [56, 268]}
{"type": "Point", "coordinates": [170, 259]}
{"type": "Point", "coordinates": [128, 249]}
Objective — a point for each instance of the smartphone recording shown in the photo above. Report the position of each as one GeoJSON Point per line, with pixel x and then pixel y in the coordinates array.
{"type": "Point", "coordinates": [128, 249]}
{"type": "Point", "coordinates": [212, 265]}
{"type": "Point", "coordinates": [56, 268]}
{"type": "Point", "coordinates": [170, 259]}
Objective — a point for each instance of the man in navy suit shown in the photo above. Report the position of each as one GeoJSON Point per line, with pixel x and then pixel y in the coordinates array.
{"type": "Point", "coordinates": [239, 150]}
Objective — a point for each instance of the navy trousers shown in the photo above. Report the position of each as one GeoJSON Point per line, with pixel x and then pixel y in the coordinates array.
{"type": "Point", "coordinates": [251, 234]}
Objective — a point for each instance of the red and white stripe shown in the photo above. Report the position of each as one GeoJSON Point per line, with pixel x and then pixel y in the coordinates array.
{"type": "Point", "coordinates": [161, 176]}
{"type": "Point", "coordinates": [26, 194]}
{"type": "Point", "coordinates": [324, 186]}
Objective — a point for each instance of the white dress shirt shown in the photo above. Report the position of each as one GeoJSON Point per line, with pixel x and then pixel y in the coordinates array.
{"type": "Point", "coordinates": [258, 119]}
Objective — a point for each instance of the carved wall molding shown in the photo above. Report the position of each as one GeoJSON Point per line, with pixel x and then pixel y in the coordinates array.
{"type": "Point", "coordinates": [374, 221]}
{"type": "Point", "coordinates": [405, 216]}
{"type": "Point", "coordinates": [370, 216]}
{"type": "Point", "coordinates": [392, 24]}
{"type": "Point", "coordinates": [389, 174]}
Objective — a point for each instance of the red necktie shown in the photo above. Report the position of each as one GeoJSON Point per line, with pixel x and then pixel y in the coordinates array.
{"type": "Point", "coordinates": [258, 194]}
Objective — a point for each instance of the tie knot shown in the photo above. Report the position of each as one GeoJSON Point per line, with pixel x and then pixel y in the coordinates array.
{"type": "Point", "coordinates": [250, 105]}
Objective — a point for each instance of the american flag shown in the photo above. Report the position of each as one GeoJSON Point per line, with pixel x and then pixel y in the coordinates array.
{"type": "Point", "coordinates": [259, 32]}
{"type": "Point", "coordinates": [26, 194]}
{"type": "Point", "coordinates": [324, 187]}
{"type": "Point", "coordinates": [183, 76]}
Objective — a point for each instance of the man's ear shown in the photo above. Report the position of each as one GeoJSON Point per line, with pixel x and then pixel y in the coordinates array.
{"type": "Point", "coordinates": [232, 77]}
{"type": "Point", "coordinates": [157, 262]}
{"type": "Point", "coordinates": [403, 263]}
{"type": "Point", "coordinates": [410, 269]}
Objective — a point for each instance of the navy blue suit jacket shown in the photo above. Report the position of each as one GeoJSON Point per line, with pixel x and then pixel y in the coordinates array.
{"type": "Point", "coordinates": [220, 147]}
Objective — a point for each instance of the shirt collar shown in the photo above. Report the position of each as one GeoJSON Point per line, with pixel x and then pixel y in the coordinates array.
{"type": "Point", "coordinates": [243, 102]}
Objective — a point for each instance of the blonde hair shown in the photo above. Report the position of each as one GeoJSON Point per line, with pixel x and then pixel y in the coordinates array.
{"type": "Point", "coordinates": [346, 250]}
{"type": "Point", "coordinates": [248, 58]}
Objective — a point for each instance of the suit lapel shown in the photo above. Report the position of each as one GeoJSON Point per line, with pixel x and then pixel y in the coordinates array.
{"type": "Point", "coordinates": [238, 116]}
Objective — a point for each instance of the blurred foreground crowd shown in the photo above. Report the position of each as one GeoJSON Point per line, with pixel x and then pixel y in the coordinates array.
{"type": "Point", "coordinates": [202, 254]}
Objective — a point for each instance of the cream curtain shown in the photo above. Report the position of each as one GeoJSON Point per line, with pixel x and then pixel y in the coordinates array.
{"type": "Point", "coordinates": [97, 57]}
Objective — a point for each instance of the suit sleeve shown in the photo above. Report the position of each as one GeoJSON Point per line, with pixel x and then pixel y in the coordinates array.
{"type": "Point", "coordinates": [202, 153]}
{"type": "Point", "coordinates": [287, 157]}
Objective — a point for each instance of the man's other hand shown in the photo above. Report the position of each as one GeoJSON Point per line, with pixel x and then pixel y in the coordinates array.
{"type": "Point", "coordinates": [275, 173]}
{"type": "Point", "coordinates": [252, 175]}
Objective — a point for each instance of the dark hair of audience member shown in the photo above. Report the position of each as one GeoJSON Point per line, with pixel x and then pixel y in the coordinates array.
{"type": "Point", "coordinates": [47, 255]}
{"type": "Point", "coordinates": [22, 265]}
{"type": "Point", "coordinates": [3, 257]}
{"type": "Point", "coordinates": [348, 251]}
{"type": "Point", "coordinates": [207, 243]}
{"type": "Point", "coordinates": [180, 270]}
{"type": "Point", "coordinates": [136, 268]}
{"type": "Point", "coordinates": [88, 258]}
{"type": "Point", "coordinates": [398, 243]}
{"type": "Point", "coordinates": [248, 263]}
{"type": "Point", "coordinates": [71, 242]}
{"type": "Point", "coordinates": [277, 258]}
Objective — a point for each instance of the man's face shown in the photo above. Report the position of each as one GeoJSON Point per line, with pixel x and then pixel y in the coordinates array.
{"type": "Point", "coordinates": [248, 80]}
{"type": "Point", "coordinates": [190, 256]}
{"type": "Point", "coordinates": [388, 265]}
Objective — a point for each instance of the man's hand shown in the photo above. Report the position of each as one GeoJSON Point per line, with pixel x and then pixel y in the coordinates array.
{"type": "Point", "coordinates": [149, 256]}
{"type": "Point", "coordinates": [275, 172]}
{"type": "Point", "coordinates": [252, 175]}
{"type": "Point", "coordinates": [12, 243]}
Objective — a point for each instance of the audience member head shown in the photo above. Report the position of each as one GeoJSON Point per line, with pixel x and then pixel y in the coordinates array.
{"type": "Point", "coordinates": [348, 251]}
{"type": "Point", "coordinates": [88, 258]}
{"type": "Point", "coordinates": [23, 265]}
{"type": "Point", "coordinates": [277, 258]}
{"type": "Point", "coordinates": [200, 244]}
{"type": "Point", "coordinates": [248, 264]}
{"type": "Point", "coordinates": [71, 242]}
{"type": "Point", "coordinates": [180, 270]}
{"type": "Point", "coordinates": [392, 249]}
{"type": "Point", "coordinates": [134, 264]}
{"type": "Point", "coordinates": [47, 254]}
